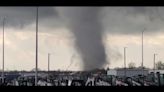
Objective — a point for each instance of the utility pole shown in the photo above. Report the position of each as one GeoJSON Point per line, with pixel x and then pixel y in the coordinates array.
{"type": "Point", "coordinates": [36, 67]}
{"type": "Point", "coordinates": [142, 50]}
{"type": "Point", "coordinates": [142, 67]}
{"type": "Point", "coordinates": [3, 52]}
{"type": "Point", "coordinates": [48, 66]}
{"type": "Point", "coordinates": [48, 62]}
{"type": "Point", "coordinates": [154, 61]}
{"type": "Point", "coordinates": [125, 61]}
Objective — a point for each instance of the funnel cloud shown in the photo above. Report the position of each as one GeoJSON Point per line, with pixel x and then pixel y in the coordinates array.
{"type": "Point", "coordinates": [87, 29]}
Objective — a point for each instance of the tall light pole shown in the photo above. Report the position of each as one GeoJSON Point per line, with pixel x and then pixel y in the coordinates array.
{"type": "Point", "coordinates": [142, 66]}
{"type": "Point", "coordinates": [154, 61]}
{"type": "Point", "coordinates": [142, 50]}
{"type": "Point", "coordinates": [125, 61]}
{"type": "Point", "coordinates": [36, 67]}
{"type": "Point", "coordinates": [3, 52]}
{"type": "Point", "coordinates": [48, 62]}
{"type": "Point", "coordinates": [48, 66]}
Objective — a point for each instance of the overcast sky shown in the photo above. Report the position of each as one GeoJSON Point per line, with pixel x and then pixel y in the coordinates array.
{"type": "Point", "coordinates": [121, 27]}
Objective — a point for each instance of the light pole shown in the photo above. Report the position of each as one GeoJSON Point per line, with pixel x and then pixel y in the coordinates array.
{"type": "Point", "coordinates": [3, 51]}
{"type": "Point", "coordinates": [125, 61]}
{"type": "Point", "coordinates": [142, 66]}
{"type": "Point", "coordinates": [36, 67]}
{"type": "Point", "coordinates": [48, 62]}
{"type": "Point", "coordinates": [142, 50]}
{"type": "Point", "coordinates": [48, 66]}
{"type": "Point", "coordinates": [154, 61]}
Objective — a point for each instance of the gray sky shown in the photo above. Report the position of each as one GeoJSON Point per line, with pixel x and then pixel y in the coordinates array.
{"type": "Point", "coordinates": [121, 27]}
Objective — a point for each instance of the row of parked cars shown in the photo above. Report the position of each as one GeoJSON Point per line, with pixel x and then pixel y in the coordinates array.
{"type": "Point", "coordinates": [85, 80]}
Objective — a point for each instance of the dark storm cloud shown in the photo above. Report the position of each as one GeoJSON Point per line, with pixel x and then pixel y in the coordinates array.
{"type": "Point", "coordinates": [22, 16]}
{"type": "Point", "coordinates": [133, 20]}
{"type": "Point", "coordinates": [120, 20]}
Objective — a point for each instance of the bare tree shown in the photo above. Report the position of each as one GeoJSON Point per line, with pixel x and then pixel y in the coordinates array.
{"type": "Point", "coordinates": [159, 65]}
{"type": "Point", "coordinates": [131, 65]}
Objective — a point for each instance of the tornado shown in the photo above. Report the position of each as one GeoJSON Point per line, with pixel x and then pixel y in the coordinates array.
{"type": "Point", "coordinates": [85, 24]}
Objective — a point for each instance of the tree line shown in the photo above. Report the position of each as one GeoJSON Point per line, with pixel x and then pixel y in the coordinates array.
{"type": "Point", "coordinates": [159, 65]}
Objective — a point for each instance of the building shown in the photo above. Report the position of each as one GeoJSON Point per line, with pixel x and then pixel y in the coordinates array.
{"type": "Point", "coordinates": [129, 72]}
{"type": "Point", "coordinates": [160, 71]}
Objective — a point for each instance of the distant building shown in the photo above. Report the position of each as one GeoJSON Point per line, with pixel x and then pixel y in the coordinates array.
{"type": "Point", "coordinates": [160, 71]}
{"type": "Point", "coordinates": [129, 72]}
